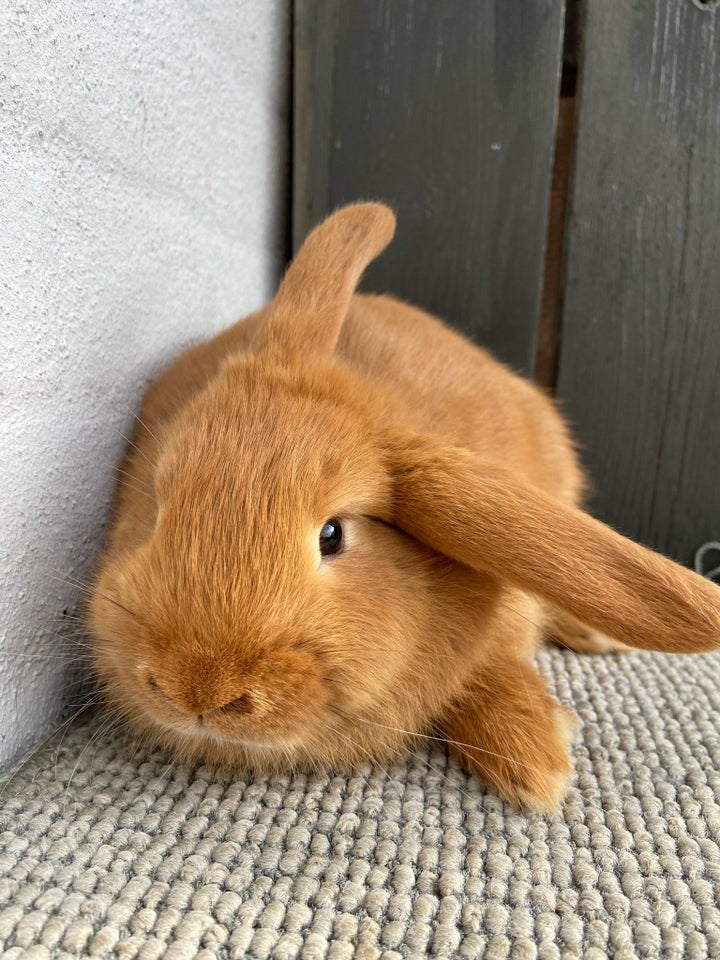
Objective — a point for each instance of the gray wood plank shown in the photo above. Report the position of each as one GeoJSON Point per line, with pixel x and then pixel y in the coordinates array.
{"type": "Point", "coordinates": [447, 111]}
{"type": "Point", "coordinates": [639, 370]}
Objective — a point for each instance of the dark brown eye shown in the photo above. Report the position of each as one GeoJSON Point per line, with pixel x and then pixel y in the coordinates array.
{"type": "Point", "coordinates": [331, 537]}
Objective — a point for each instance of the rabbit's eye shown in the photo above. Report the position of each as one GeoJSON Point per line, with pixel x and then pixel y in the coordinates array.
{"type": "Point", "coordinates": [331, 537]}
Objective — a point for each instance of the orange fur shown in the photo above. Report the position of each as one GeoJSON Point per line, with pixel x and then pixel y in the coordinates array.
{"type": "Point", "coordinates": [221, 631]}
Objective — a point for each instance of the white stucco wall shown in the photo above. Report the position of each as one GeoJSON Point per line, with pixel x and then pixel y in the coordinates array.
{"type": "Point", "coordinates": [142, 195]}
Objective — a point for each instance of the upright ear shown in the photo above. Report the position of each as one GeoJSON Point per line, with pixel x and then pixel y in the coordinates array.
{"type": "Point", "coordinates": [310, 306]}
{"type": "Point", "coordinates": [491, 521]}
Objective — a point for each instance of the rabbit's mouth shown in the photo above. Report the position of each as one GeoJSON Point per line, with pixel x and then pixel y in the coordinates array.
{"type": "Point", "coordinates": [205, 730]}
{"type": "Point", "coordinates": [214, 728]}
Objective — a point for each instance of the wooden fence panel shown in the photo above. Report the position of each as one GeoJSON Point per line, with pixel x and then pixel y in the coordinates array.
{"type": "Point", "coordinates": [447, 111]}
{"type": "Point", "coordinates": [639, 370]}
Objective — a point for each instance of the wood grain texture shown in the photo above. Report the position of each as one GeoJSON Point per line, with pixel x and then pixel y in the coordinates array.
{"type": "Point", "coordinates": [640, 359]}
{"type": "Point", "coordinates": [446, 111]}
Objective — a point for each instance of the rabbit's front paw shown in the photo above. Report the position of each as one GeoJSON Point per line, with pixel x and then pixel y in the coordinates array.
{"type": "Point", "coordinates": [511, 732]}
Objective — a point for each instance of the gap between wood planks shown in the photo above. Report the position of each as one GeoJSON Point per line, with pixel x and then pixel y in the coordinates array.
{"type": "Point", "coordinates": [549, 332]}
{"type": "Point", "coordinates": [548, 340]}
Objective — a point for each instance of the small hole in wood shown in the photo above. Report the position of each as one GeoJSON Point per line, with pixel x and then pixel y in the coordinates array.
{"type": "Point", "coordinates": [707, 5]}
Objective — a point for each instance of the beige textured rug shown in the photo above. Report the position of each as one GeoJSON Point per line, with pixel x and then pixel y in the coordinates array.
{"type": "Point", "coordinates": [106, 851]}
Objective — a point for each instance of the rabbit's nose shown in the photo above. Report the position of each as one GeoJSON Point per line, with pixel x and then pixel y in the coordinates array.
{"type": "Point", "coordinates": [240, 706]}
{"type": "Point", "coordinates": [153, 684]}
{"type": "Point", "coordinates": [197, 697]}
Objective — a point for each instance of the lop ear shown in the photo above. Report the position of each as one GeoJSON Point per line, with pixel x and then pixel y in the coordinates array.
{"type": "Point", "coordinates": [493, 522]}
{"type": "Point", "coordinates": [310, 306]}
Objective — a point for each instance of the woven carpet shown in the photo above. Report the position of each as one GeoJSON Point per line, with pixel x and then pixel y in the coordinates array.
{"type": "Point", "coordinates": [106, 851]}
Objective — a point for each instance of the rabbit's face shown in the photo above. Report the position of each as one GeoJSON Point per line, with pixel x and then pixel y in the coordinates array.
{"type": "Point", "coordinates": [269, 612]}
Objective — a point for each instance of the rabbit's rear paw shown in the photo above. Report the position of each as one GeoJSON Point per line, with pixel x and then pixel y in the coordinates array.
{"type": "Point", "coordinates": [565, 631]}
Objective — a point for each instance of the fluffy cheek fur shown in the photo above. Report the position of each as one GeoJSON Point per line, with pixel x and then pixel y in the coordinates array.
{"type": "Point", "coordinates": [344, 680]}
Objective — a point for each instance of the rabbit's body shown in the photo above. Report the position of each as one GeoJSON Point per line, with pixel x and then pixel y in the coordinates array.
{"type": "Point", "coordinates": [222, 631]}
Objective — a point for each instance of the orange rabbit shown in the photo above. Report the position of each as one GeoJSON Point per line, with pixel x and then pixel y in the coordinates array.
{"type": "Point", "coordinates": [345, 524]}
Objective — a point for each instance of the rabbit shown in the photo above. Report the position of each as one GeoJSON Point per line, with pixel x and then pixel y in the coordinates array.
{"type": "Point", "coordinates": [345, 527]}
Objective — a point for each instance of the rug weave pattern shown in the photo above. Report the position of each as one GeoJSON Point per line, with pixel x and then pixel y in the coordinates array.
{"type": "Point", "coordinates": [109, 852]}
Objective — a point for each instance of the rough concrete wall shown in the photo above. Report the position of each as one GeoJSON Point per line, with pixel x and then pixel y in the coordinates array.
{"type": "Point", "coordinates": [142, 197]}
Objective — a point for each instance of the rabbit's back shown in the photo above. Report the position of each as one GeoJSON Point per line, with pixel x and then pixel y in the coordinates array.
{"type": "Point", "coordinates": [456, 390]}
{"type": "Point", "coordinates": [445, 385]}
